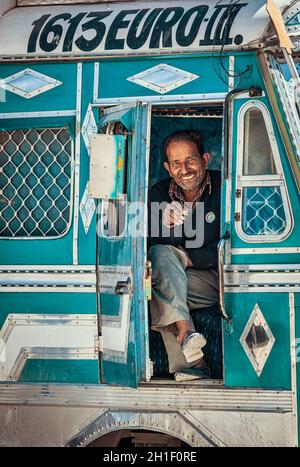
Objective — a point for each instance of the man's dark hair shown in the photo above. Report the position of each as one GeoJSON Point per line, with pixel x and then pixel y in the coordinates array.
{"type": "Point", "coordinates": [185, 135]}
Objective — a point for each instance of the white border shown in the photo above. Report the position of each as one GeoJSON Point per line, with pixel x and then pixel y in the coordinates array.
{"type": "Point", "coordinates": [96, 80]}
{"type": "Point", "coordinates": [77, 163]}
{"type": "Point", "coordinates": [51, 113]}
{"type": "Point", "coordinates": [231, 77]}
{"type": "Point", "coordinates": [260, 180]}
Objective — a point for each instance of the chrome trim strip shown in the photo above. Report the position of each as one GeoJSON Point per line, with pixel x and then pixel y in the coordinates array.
{"type": "Point", "coordinates": [149, 396]}
{"type": "Point", "coordinates": [213, 97]}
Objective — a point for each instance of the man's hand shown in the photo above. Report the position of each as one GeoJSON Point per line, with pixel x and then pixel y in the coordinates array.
{"type": "Point", "coordinates": [174, 214]}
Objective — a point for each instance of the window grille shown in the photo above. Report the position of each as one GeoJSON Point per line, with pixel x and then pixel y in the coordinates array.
{"type": "Point", "coordinates": [263, 211]}
{"type": "Point", "coordinates": [35, 182]}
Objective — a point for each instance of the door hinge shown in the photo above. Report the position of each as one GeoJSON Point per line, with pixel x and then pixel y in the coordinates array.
{"type": "Point", "coordinates": [238, 193]}
{"type": "Point", "coordinates": [237, 217]}
{"type": "Point", "coordinates": [148, 280]}
{"type": "Point", "coordinates": [99, 344]}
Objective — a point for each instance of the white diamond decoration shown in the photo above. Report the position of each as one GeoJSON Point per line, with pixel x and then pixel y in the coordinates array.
{"type": "Point", "coordinates": [87, 209]}
{"type": "Point", "coordinates": [257, 340]}
{"type": "Point", "coordinates": [29, 83]}
{"type": "Point", "coordinates": [162, 78]}
{"type": "Point", "coordinates": [89, 127]}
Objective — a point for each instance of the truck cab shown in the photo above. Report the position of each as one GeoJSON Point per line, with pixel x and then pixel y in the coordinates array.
{"type": "Point", "coordinates": [88, 93]}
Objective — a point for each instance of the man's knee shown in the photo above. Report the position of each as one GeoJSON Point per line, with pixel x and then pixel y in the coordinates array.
{"type": "Point", "coordinates": [162, 257]}
{"type": "Point", "coordinates": [159, 253]}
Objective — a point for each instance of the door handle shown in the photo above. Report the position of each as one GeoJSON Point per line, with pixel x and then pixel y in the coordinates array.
{"type": "Point", "coordinates": [221, 250]}
{"type": "Point", "coordinates": [123, 287]}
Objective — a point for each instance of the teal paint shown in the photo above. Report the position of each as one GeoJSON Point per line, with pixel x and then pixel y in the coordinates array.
{"type": "Point", "coordinates": [60, 371]}
{"type": "Point", "coordinates": [29, 123]}
{"type": "Point", "coordinates": [46, 303]}
{"type": "Point", "coordinates": [119, 70]}
{"type": "Point", "coordinates": [38, 251]}
{"type": "Point", "coordinates": [119, 251]}
{"type": "Point", "coordinates": [62, 97]}
{"type": "Point", "coordinates": [86, 242]}
{"type": "Point", "coordinates": [239, 372]}
{"type": "Point", "coordinates": [272, 257]}
{"type": "Point", "coordinates": [247, 72]}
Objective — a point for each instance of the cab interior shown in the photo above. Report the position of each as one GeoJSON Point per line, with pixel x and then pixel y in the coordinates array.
{"type": "Point", "coordinates": [208, 121]}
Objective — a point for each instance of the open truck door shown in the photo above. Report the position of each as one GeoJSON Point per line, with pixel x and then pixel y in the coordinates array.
{"type": "Point", "coordinates": [118, 180]}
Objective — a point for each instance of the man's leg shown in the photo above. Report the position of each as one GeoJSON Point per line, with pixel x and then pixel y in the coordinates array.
{"type": "Point", "coordinates": [202, 292]}
{"type": "Point", "coordinates": [169, 301]}
{"type": "Point", "coordinates": [169, 286]}
{"type": "Point", "coordinates": [202, 288]}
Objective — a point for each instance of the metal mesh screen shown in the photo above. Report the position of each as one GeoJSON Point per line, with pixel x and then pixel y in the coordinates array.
{"type": "Point", "coordinates": [263, 212]}
{"type": "Point", "coordinates": [35, 182]}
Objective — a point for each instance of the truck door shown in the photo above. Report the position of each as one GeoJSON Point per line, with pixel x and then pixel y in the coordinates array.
{"type": "Point", "coordinates": [118, 180]}
{"type": "Point", "coordinates": [261, 212]}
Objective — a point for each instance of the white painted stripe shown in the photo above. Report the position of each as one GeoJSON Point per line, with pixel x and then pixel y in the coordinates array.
{"type": "Point", "coordinates": [96, 80]}
{"type": "Point", "coordinates": [261, 267]}
{"type": "Point", "coordinates": [262, 278]}
{"type": "Point", "coordinates": [45, 268]}
{"type": "Point", "coordinates": [77, 164]}
{"type": "Point", "coordinates": [55, 113]}
{"type": "Point", "coordinates": [253, 289]}
{"type": "Point", "coordinates": [213, 97]}
{"type": "Point", "coordinates": [263, 251]}
{"type": "Point", "coordinates": [46, 289]}
{"type": "Point", "coordinates": [231, 73]}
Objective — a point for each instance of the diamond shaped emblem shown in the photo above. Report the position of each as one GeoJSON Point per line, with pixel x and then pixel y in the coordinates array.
{"type": "Point", "coordinates": [29, 83]}
{"type": "Point", "coordinates": [89, 128]}
{"type": "Point", "coordinates": [257, 340]}
{"type": "Point", "coordinates": [162, 78]}
{"type": "Point", "coordinates": [87, 209]}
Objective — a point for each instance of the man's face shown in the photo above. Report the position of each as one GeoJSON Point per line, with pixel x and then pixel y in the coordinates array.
{"type": "Point", "coordinates": [185, 165]}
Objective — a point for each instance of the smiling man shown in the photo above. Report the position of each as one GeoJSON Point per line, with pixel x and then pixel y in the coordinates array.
{"type": "Point", "coordinates": [184, 270]}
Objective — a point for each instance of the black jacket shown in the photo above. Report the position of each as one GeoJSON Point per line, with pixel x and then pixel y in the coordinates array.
{"type": "Point", "coordinates": [205, 256]}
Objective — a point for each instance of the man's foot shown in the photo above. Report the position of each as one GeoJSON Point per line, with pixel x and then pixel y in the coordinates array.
{"type": "Point", "coordinates": [192, 345]}
{"type": "Point", "coordinates": [190, 374]}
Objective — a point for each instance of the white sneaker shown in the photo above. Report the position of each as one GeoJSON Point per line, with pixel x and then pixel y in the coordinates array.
{"type": "Point", "coordinates": [192, 346]}
{"type": "Point", "coordinates": [190, 374]}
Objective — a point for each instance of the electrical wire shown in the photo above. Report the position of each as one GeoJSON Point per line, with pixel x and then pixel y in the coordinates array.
{"type": "Point", "coordinates": [224, 71]}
